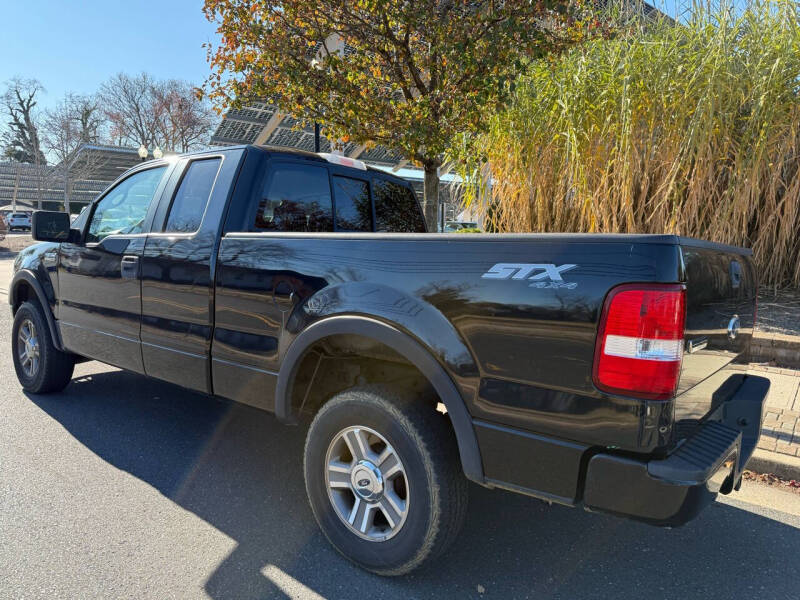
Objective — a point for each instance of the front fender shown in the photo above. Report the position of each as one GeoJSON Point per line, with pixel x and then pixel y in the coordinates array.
{"type": "Point", "coordinates": [41, 262]}
{"type": "Point", "coordinates": [25, 277]}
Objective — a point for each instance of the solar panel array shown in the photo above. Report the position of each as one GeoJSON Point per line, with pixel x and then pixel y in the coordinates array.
{"type": "Point", "coordinates": [243, 126]}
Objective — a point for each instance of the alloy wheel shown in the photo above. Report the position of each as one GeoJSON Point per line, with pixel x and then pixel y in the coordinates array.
{"type": "Point", "coordinates": [367, 483]}
{"type": "Point", "coordinates": [28, 349]}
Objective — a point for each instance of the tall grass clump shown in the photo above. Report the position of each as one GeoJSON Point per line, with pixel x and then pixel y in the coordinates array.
{"type": "Point", "coordinates": [690, 128]}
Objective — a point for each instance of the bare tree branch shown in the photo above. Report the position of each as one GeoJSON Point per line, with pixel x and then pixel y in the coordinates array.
{"type": "Point", "coordinates": [21, 139]}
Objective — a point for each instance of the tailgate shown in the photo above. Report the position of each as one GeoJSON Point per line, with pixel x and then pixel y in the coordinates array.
{"type": "Point", "coordinates": [721, 284]}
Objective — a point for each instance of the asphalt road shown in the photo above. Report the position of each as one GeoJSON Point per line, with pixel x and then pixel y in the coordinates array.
{"type": "Point", "coordinates": [124, 487]}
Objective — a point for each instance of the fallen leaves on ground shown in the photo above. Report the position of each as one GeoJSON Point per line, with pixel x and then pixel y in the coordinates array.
{"type": "Point", "coordinates": [773, 480]}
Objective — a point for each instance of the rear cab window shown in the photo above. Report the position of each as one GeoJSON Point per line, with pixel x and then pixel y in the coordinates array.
{"type": "Point", "coordinates": [396, 207]}
{"type": "Point", "coordinates": [295, 197]}
{"type": "Point", "coordinates": [312, 197]}
{"type": "Point", "coordinates": [353, 206]}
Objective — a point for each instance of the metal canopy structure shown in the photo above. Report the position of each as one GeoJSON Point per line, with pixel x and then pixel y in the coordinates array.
{"type": "Point", "coordinates": [89, 171]}
{"type": "Point", "coordinates": [262, 124]}
{"type": "Point", "coordinates": [101, 162]}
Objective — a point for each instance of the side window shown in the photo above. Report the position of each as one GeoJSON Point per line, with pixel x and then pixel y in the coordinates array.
{"type": "Point", "coordinates": [353, 208]}
{"type": "Point", "coordinates": [295, 198]}
{"type": "Point", "coordinates": [191, 198]}
{"type": "Point", "coordinates": [124, 208]}
{"type": "Point", "coordinates": [396, 208]}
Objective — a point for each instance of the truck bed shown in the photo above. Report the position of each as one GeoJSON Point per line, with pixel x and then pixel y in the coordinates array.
{"type": "Point", "coordinates": [521, 350]}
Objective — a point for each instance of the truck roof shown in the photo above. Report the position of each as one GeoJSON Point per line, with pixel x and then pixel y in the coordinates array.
{"type": "Point", "coordinates": [279, 150]}
{"type": "Point", "coordinates": [289, 152]}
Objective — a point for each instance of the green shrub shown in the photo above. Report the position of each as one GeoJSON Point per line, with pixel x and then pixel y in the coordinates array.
{"type": "Point", "coordinates": [691, 129]}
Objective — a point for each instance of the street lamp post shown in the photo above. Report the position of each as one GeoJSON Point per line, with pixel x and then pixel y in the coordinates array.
{"type": "Point", "coordinates": [316, 64]}
{"type": "Point", "coordinates": [142, 152]}
{"type": "Point", "coordinates": [157, 153]}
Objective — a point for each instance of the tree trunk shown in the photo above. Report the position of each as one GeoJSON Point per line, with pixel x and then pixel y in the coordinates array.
{"type": "Point", "coordinates": [430, 205]}
{"type": "Point", "coordinates": [66, 192]}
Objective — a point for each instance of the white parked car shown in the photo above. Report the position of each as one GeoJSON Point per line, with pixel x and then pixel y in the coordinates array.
{"type": "Point", "coordinates": [451, 226]}
{"type": "Point", "coordinates": [19, 220]}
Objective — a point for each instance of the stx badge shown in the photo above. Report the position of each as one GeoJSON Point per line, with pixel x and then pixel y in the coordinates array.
{"type": "Point", "coordinates": [539, 275]}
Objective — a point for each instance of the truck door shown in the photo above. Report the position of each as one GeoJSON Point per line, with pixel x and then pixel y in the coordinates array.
{"type": "Point", "coordinates": [99, 295]}
{"type": "Point", "coordinates": [178, 266]}
{"type": "Point", "coordinates": [254, 298]}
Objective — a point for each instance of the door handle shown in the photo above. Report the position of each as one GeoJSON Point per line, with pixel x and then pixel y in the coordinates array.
{"type": "Point", "coordinates": [129, 267]}
{"type": "Point", "coordinates": [736, 274]}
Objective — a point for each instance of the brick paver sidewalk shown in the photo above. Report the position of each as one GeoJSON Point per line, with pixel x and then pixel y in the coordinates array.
{"type": "Point", "coordinates": [781, 429]}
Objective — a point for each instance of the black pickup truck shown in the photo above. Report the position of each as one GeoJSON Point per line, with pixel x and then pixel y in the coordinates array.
{"type": "Point", "coordinates": [587, 370]}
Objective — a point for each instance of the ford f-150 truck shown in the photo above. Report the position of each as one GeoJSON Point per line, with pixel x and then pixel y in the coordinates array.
{"type": "Point", "coordinates": [588, 370]}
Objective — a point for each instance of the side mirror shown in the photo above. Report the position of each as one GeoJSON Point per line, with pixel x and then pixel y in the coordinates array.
{"type": "Point", "coordinates": [50, 226]}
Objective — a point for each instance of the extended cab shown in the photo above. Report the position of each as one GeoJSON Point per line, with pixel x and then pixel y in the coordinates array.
{"type": "Point", "coordinates": [588, 370]}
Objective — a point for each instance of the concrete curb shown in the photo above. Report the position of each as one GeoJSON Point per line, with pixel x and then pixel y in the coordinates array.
{"type": "Point", "coordinates": [780, 349]}
{"type": "Point", "coordinates": [782, 465]}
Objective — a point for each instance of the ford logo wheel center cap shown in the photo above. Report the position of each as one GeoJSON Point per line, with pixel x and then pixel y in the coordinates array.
{"type": "Point", "coordinates": [367, 481]}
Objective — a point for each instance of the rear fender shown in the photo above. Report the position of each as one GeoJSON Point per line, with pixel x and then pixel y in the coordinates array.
{"type": "Point", "coordinates": [405, 312]}
{"type": "Point", "coordinates": [405, 345]}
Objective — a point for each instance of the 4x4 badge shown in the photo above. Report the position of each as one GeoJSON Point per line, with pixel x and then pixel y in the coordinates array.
{"type": "Point", "coordinates": [539, 275]}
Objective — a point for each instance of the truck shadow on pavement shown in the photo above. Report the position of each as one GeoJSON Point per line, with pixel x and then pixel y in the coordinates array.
{"type": "Point", "coordinates": [241, 471]}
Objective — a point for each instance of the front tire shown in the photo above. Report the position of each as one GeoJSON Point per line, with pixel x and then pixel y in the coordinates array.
{"type": "Point", "coordinates": [384, 479]}
{"type": "Point", "coordinates": [41, 368]}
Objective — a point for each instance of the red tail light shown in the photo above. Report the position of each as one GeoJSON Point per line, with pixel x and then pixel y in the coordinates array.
{"type": "Point", "coordinates": [640, 340]}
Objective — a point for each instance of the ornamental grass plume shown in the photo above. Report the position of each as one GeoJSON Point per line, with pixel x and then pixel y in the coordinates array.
{"type": "Point", "coordinates": [690, 128]}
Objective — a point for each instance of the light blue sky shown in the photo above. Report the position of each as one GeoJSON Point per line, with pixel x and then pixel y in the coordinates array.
{"type": "Point", "coordinates": [75, 45]}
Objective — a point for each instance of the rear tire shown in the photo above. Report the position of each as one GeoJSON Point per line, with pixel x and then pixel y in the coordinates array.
{"type": "Point", "coordinates": [401, 487]}
{"type": "Point", "coordinates": [41, 368]}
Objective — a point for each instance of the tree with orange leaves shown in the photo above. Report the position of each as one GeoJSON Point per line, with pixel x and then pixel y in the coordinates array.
{"type": "Point", "coordinates": [406, 75]}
